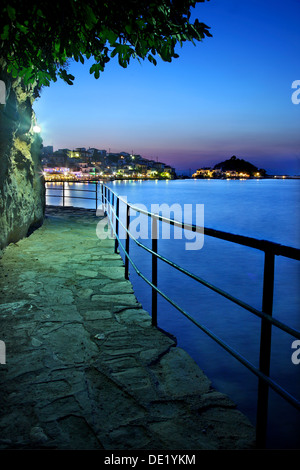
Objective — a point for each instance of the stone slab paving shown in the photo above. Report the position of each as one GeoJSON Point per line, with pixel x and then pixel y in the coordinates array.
{"type": "Point", "coordinates": [84, 367]}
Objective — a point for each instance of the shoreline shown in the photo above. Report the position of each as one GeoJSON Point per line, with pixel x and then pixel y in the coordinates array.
{"type": "Point", "coordinates": [93, 180]}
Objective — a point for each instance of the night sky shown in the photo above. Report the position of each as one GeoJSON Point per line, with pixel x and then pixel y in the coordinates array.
{"type": "Point", "coordinates": [229, 95]}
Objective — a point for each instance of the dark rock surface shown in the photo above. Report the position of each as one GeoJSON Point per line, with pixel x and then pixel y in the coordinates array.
{"type": "Point", "coordinates": [22, 201]}
{"type": "Point", "coordinates": [84, 367]}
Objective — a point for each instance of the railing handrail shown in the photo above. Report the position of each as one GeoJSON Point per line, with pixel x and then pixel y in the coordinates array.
{"type": "Point", "coordinates": [251, 242]}
{"type": "Point", "coordinates": [238, 356]}
{"type": "Point", "coordinates": [237, 301]}
{"type": "Point", "coordinates": [263, 245]}
{"type": "Point", "coordinates": [74, 189]}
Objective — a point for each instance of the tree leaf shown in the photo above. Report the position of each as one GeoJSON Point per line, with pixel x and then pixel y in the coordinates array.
{"type": "Point", "coordinates": [11, 12]}
{"type": "Point", "coordinates": [5, 33]}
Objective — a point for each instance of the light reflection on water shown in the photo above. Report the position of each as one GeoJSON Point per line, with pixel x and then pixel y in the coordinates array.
{"type": "Point", "coordinates": [264, 209]}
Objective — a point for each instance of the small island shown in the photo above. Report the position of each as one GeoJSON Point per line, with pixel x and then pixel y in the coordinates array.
{"type": "Point", "coordinates": [231, 168]}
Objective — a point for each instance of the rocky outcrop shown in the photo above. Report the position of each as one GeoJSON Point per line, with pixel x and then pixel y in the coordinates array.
{"type": "Point", "coordinates": [21, 182]}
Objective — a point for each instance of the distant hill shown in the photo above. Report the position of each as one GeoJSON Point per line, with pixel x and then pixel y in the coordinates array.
{"type": "Point", "coordinates": [239, 165]}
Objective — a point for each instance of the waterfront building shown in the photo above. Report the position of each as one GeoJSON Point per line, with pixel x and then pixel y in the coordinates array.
{"type": "Point", "coordinates": [94, 162]}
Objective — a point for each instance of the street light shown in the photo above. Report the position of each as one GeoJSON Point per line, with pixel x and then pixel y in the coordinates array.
{"type": "Point", "coordinates": [36, 129]}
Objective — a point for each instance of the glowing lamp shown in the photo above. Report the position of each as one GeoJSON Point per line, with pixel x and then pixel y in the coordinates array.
{"type": "Point", "coordinates": [36, 129]}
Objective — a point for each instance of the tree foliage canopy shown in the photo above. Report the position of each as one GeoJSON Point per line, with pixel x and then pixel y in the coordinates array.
{"type": "Point", "coordinates": [38, 38]}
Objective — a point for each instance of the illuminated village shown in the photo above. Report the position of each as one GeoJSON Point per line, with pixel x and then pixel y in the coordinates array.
{"type": "Point", "coordinates": [93, 164]}
{"type": "Point", "coordinates": [231, 168]}
{"type": "Point", "coordinates": [218, 173]}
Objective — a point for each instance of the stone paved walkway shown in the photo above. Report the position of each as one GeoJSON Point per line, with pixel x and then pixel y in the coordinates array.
{"type": "Point", "coordinates": [84, 367]}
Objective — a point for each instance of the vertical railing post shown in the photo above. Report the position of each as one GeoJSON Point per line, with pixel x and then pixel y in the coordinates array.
{"type": "Point", "coordinates": [154, 237]}
{"type": "Point", "coordinates": [127, 242]}
{"type": "Point", "coordinates": [105, 201]}
{"type": "Point", "coordinates": [112, 210]}
{"type": "Point", "coordinates": [112, 214]}
{"type": "Point", "coordinates": [102, 196]}
{"type": "Point", "coordinates": [63, 194]}
{"type": "Point", "coordinates": [117, 224]}
{"type": "Point", "coordinates": [265, 351]}
{"type": "Point", "coordinates": [96, 186]}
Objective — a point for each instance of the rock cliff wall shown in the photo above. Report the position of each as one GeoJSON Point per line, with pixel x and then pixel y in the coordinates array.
{"type": "Point", "coordinates": [22, 200]}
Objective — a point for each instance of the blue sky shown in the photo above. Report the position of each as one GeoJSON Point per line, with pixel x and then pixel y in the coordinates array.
{"type": "Point", "coordinates": [229, 95]}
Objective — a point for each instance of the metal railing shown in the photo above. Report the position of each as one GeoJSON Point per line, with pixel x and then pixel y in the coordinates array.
{"type": "Point", "coordinates": [111, 203]}
{"type": "Point", "coordinates": [62, 189]}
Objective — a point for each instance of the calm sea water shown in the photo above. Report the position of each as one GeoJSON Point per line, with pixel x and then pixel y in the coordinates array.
{"type": "Point", "coordinates": [264, 209]}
